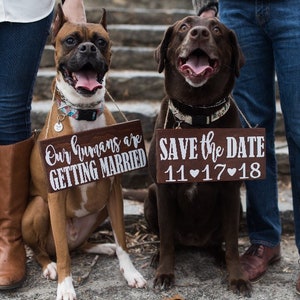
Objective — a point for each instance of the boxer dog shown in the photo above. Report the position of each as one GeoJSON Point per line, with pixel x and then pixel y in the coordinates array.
{"type": "Point", "coordinates": [200, 58]}
{"type": "Point", "coordinates": [56, 223]}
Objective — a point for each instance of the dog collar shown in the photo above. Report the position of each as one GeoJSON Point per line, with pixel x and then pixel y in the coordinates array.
{"type": "Point", "coordinates": [195, 116]}
{"type": "Point", "coordinates": [79, 112]}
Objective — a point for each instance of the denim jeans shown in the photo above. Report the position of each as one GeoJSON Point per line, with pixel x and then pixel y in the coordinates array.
{"type": "Point", "coordinates": [269, 35]}
{"type": "Point", "coordinates": [21, 48]}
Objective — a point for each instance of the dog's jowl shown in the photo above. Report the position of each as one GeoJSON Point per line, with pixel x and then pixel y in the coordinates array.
{"type": "Point", "coordinates": [200, 58]}
{"type": "Point", "coordinates": [56, 223]}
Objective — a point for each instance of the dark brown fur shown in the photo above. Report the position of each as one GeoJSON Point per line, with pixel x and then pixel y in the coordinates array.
{"type": "Point", "coordinates": [196, 214]}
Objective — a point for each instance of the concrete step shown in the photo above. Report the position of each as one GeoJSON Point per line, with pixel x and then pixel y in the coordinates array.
{"type": "Point", "coordinates": [146, 35]}
{"type": "Point", "coordinates": [146, 111]}
{"type": "Point", "coordinates": [170, 4]}
{"type": "Point", "coordinates": [123, 85]}
{"type": "Point", "coordinates": [123, 58]}
{"type": "Point", "coordinates": [137, 15]}
{"type": "Point", "coordinates": [135, 58]}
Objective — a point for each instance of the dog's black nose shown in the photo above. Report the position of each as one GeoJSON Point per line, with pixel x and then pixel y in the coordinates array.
{"type": "Point", "coordinates": [199, 32]}
{"type": "Point", "coordinates": [87, 48]}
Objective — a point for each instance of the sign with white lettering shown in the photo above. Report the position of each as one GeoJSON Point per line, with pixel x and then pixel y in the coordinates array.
{"type": "Point", "coordinates": [91, 155]}
{"type": "Point", "coordinates": [218, 154]}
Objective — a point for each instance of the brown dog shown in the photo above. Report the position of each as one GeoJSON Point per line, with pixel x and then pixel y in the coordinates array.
{"type": "Point", "coordinates": [201, 58]}
{"type": "Point", "coordinates": [55, 223]}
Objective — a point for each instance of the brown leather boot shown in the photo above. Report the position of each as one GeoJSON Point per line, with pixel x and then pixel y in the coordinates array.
{"type": "Point", "coordinates": [14, 187]}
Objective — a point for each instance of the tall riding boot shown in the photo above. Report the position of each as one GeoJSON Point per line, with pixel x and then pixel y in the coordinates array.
{"type": "Point", "coordinates": [14, 188]}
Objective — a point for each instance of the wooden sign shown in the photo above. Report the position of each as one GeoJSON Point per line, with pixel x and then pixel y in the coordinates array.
{"type": "Point", "coordinates": [91, 155]}
{"type": "Point", "coordinates": [218, 154]}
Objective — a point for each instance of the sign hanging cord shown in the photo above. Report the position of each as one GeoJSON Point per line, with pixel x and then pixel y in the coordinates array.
{"type": "Point", "coordinates": [241, 113]}
{"type": "Point", "coordinates": [49, 118]}
{"type": "Point", "coordinates": [116, 105]}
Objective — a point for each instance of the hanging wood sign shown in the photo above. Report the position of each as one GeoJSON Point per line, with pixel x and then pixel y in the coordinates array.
{"type": "Point", "coordinates": [201, 155]}
{"type": "Point", "coordinates": [91, 155]}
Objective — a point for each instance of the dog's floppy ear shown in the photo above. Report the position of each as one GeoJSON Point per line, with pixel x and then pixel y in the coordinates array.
{"type": "Point", "coordinates": [103, 19]}
{"type": "Point", "coordinates": [57, 23]}
{"type": "Point", "coordinates": [160, 53]}
{"type": "Point", "coordinates": [238, 59]}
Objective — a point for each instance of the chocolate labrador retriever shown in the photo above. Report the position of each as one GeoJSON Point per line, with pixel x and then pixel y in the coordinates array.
{"type": "Point", "coordinates": [200, 58]}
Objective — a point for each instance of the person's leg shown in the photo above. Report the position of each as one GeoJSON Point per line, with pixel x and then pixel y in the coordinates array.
{"type": "Point", "coordinates": [21, 48]}
{"type": "Point", "coordinates": [285, 33]}
{"type": "Point", "coordinates": [20, 52]}
{"type": "Point", "coordinates": [254, 93]}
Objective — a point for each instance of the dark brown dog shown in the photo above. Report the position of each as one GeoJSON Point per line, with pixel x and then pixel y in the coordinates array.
{"type": "Point", "coordinates": [201, 59]}
{"type": "Point", "coordinates": [55, 223]}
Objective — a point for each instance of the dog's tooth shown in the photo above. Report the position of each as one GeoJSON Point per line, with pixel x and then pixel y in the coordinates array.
{"type": "Point", "coordinates": [74, 76]}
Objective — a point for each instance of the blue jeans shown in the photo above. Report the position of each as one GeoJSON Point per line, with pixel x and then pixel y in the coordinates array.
{"type": "Point", "coordinates": [269, 35]}
{"type": "Point", "coordinates": [21, 48]}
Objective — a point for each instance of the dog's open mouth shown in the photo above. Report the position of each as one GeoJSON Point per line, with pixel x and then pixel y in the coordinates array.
{"type": "Point", "coordinates": [198, 65]}
{"type": "Point", "coordinates": [85, 81]}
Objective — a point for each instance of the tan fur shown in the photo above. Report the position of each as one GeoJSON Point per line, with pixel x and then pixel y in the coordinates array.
{"type": "Point", "coordinates": [55, 223]}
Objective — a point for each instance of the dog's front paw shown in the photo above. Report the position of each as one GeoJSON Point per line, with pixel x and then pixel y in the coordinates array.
{"type": "Point", "coordinates": [132, 276]}
{"type": "Point", "coordinates": [50, 272]}
{"type": "Point", "coordinates": [163, 281]}
{"type": "Point", "coordinates": [65, 290]}
{"type": "Point", "coordinates": [241, 287]}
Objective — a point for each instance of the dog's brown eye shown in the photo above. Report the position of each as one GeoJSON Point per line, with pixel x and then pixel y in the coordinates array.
{"type": "Point", "coordinates": [217, 30]}
{"type": "Point", "coordinates": [70, 41]}
{"type": "Point", "coordinates": [183, 27]}
{"type": "Point", "coordinates": [101, 43]}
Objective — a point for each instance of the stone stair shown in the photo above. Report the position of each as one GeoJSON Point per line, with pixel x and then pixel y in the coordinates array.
{"type": "Point", "coordinates": [136, 28]}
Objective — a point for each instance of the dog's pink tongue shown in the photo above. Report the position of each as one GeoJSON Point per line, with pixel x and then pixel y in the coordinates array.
{"type": "Point", "coordinates": [197, 64]}
{"type": "Point", "coordinates": [87, 80]}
